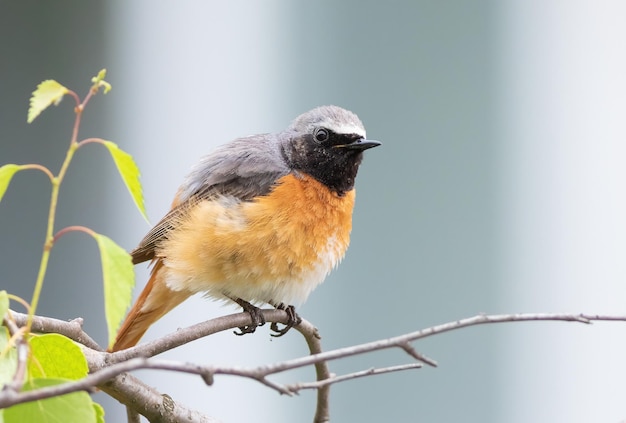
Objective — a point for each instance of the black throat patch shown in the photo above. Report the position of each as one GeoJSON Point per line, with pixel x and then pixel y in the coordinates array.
{"type": "Point", "coordinates": [335, 167]}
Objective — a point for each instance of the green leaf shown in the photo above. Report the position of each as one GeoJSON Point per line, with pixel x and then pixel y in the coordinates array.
{"type": "Point", "coordinates": [130, 174]}
{"type": "Point", "coordinates": [56, 356]}
{"type": "Point", "coordinates": [47, 93]}
{"type": "Point", "coordinates": [98, 81]}
{"type": "Point", "coordinates": [8, 358]}
{"type": "Point", "coordinates": [6, 173]}
{"type": "Point", "coordinates": [99, 412]}
{"type": "Point", "coordinates": [119, 280]}
{"type": "Point", "coordinates": [76, 407]}
{"type": "Point", "coordinates": [99, 77]}
{"type": "Point", "coordinates": [4, 303]}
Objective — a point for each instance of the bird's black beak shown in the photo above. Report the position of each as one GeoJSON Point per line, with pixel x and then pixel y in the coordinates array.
{"type": "Point", "coordinates": [360, 144]}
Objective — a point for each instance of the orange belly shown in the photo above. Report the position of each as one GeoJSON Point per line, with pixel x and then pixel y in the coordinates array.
{"type": "Point", "coordinates": [275, 249]}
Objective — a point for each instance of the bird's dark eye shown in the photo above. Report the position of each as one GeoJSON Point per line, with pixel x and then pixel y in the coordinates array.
{"type": "Point", "coordinates": [321, 135]}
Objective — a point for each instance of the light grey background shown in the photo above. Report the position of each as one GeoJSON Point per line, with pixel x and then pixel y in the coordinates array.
{"type": "Point", "coordinates": [499, 187]}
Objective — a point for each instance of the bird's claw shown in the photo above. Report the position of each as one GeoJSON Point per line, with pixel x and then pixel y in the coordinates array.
{"type": "Point", "coordinates": [292, 320]}
{"type": "Point", "coordinates": [256, 314]}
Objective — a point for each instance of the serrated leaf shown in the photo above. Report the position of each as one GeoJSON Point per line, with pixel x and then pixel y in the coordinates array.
{"type": "Point", "coordinates": [47, 93]}
{"type": "Point", "coordinates": [76, 407]}
{"type": "Point", "coordinates": [119, 280]}
{"type": "Point", "coordinates": [129, 172]}
{"type": "Point", "coordinates": [56, 356]}
{"type": "Point", "coordinates": [8, 358]}
{"type": "Point", "coordinates": [99, 412]}
{"type": "Point", "coordinates": [6, 173]}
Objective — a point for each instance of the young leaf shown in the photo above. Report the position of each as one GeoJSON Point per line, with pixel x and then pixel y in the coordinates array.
{"type": "Point", "coordinates": [55, 356]}
{"type": "Point", "coordinates": [130, 174]}
{"type": "Point", "coordinates": [99, 77]}
{"type": "Point", "coordinates": [47, 93]}
{"type": "Point", "coordinates": [74, 407]}
{"type": "Point", "coordinates": [99, 412]}
{"type": "Point", "coordinates": [98, 81]}
{"type": "Point", "coordinates": [8, 358]}
{"type": "Point", "coordinates": [119, 279]}
{"type": "Point", "coordinates": [6, 173]}
{"type": "Point", "coordinates": [4, 303]}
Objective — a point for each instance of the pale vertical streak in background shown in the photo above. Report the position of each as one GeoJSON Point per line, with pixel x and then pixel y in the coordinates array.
{"type": "Point", "coordinates": [191, 76]}
{"type": "Point", "coordinates": [563, 190]}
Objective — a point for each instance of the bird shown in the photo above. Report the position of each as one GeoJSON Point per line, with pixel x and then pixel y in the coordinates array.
{"type": "Point", "coordinates": [262, 219]}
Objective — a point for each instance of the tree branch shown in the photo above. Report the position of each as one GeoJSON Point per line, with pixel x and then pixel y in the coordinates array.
{"type": "Point", "coordinates": [21, 347]}
{"type": "Point", "coordinates": [109, 370]}
{"type": "Point", "coordinates": [191, 333]}
{"type": "Point", "coordinates": [314, 342]}
{"type": "Point", "coordinates": [147, 401]}
{"type": "Point", "coordinates": [73, 329]}
{"type": "Point", "coordinates": [369, 372]}
{"type": "Point", "coordinates": [133, 392]}
{"type": "Point", "coordinates": [403, 340]}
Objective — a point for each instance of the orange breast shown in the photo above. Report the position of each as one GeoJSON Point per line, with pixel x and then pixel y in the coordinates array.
{"type": "Point", "coordinates": [274, 249]}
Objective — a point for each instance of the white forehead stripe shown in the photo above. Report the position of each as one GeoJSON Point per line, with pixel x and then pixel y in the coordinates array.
{"type": "Point", "coordinates": [343, 127]}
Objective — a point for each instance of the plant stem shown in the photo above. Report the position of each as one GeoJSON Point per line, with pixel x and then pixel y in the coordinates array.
{"type": "Point", "coordinates": [54, 197]}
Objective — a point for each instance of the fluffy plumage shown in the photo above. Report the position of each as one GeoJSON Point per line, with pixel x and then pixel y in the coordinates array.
{"type": "Point", "coordinates": [262, 219]}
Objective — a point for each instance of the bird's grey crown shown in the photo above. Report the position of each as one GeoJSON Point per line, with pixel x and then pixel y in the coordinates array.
{"type": "Point", "coordinates": [337, 119]}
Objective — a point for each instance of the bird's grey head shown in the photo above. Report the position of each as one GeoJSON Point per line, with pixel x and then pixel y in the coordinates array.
{"type": "Point", "coordinates": [327, 143]}
{"type": "Point", "coordinates": [333, 118]}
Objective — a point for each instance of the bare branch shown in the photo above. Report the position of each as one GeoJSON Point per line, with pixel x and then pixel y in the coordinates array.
{"type": "Point", "coordinates": [150, 404]}
{"type": "Point", "coordinates": [72, 329]}
{"type": "Point", "coordinates": [147, 401]}
{"type": "Point", "coordinates": [21, 347]}
{"type": "Point", "coordinates": [191, 333]}
{"type": "Point", "coordinates": [313, 340]}
{"type": "Point", "coordinates": [206, 372]}
{"type": "Point", "coordinates": [369, 372]}
{"type": "Point", "coordinates": [403, 340]}
{"type": "Point", "coordinates": [410, 350]}
{"type": "Point", "coordinates": [109, 369]}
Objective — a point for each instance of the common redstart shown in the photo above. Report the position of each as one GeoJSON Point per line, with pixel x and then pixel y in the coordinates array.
{"type": "Point", "coordinates": [263, 219]}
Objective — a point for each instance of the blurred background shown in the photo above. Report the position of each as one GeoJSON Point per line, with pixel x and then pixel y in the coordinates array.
{"type": "Point", "coordinates": [499, 187]}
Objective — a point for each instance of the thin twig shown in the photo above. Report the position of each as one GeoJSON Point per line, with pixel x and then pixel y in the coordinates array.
{"type": "Point", "coordinates": [73, 329]}
{"type": "Point", "coordinates": [206, 372]}
{"type": "Point", "coordinates": [191, 333]}
{"type": "Point", "coordinates": [410, 350]}
{"type": "Point", "coordinates": [10, 397]}
{"type": "Point", "coordinates": [336, 379]}
{"type": "Point", "coordinates": [314, 342]}
{"type": "Point", "coordinates": [40, 168]}
{"type": "Point", "coordinates": [402, 340]}
{"type": "Point", "coordinates": [21, 347]}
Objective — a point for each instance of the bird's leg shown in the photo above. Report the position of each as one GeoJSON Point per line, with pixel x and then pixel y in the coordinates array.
{"type": "Point", "coordinates": [255, 314]}
{"type": "Point", "coordinates": [292, 320]}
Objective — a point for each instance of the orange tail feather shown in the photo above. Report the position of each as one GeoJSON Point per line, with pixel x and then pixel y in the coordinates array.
{"type": "Point", "coordinates": [155, 300]}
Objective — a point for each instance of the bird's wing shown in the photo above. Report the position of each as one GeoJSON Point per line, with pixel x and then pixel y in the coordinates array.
{"type": "Point", "coordinates": [244, 169]}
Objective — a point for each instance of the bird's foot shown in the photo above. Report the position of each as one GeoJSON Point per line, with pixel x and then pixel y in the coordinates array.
{"type": "Point", "coordinates": [292, 320]}
{"type": "Point", "coordinates": [255, 314]}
